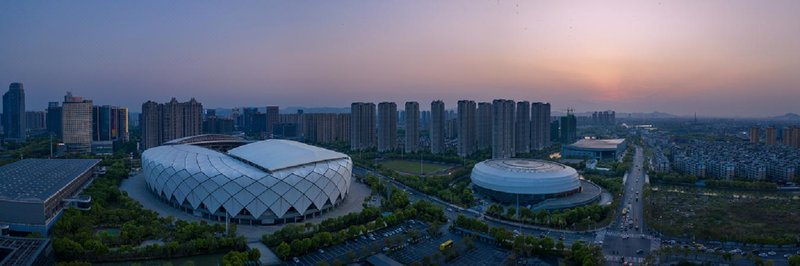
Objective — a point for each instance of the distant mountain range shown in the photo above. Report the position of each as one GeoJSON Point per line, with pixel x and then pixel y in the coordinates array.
{"type": "Point", "coordinates": [787, 116]}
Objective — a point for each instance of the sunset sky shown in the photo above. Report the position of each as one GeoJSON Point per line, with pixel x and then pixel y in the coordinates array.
{"type": "Point", "coordinates": [716, 58]}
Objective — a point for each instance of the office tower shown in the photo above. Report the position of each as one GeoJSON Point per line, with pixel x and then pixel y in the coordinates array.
{"type": "Point", "coordinates": [34, 120]}
{"type": "Point", "coordinates": [273, 116]}
{"type": "Point", "coordinates": [164, 122]}
{"type": "Point", "coordinates": [754, 135]}
{"type": "Point", "coordinates": [568, 128]}
{"type": "Point", "coordinates": [484, 126]}
{"type": "Point", "coordinates": [121, 124]}
{"type": "Point", "coordinates": [387, 126]}
{"type": "Point", "coordinates": [53, 119]}
{"type": "Point", "coordinates": [467, 127]}
{"type": "Point", "coordinates": [247, 120]}
{"type": "Point", "coordinates": [412, 127]}
{"type": "Point", "coordinates": [522, 130]}
{"type": "Point", "coordinates": [77, 124]}
{"type": "Point", "coordinates": [14, 112]}
{"type": "Point", "coordinates": [437, 127]}
{"type": "Point", "coordinates": [362, 126]}
{"type": "Point", "coordinates": [770, 138]}
{"type": "Point", "coordinates": [540, 126]}
{"type": "Point", "coordinates": [503, 129]}
{"type": "Point", "coordinates": [554, 130]}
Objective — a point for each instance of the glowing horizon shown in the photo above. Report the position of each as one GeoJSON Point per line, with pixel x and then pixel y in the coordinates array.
{"type": "Point", "coordinates": [721, 58]}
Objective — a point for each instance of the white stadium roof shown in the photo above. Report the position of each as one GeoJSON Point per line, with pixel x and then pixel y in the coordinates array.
{"type": "Point", "coordinates": [302, 177]}
{"type": "Point", "coordinates": [276, 154]}
{"type": "Point", "coordinates": [525, 176]}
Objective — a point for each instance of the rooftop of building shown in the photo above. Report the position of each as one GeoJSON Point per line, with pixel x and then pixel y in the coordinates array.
{"type": "Point", "coordinates": [276, 154]}
{"type": "Point", "coordinates": [597, 144]}
{"type": "Point", "coordinates": [39, 179]}
{"type": "Point", "coordinates": [20, 251]}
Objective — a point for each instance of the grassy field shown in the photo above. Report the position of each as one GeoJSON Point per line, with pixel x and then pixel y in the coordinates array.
{"type": "Point", "coordinates": [412, 167]}
{"type": "Point", "coordinates": [718, 214]}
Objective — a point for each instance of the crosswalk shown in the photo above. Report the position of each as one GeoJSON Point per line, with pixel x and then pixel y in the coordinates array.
{"type": "Point", "coordinates": [601, 235]}
{"type": "Point", "coordinates": [615, 258]}
{"type": "Point", "coordinates": [618, 234]}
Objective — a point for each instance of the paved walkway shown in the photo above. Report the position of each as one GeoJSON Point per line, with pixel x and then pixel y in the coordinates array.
{"type": "Point", "coordinates": [136, 188]}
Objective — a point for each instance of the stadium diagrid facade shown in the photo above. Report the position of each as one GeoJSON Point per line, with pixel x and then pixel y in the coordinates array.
{"type": "Point", "coordinates": [264, 182]}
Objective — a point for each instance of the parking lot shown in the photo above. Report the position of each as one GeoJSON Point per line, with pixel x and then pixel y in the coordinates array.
{"type": "Point", "coordinates": [483, 254]}
{"type": "Point", "coordinates": [361, 246]}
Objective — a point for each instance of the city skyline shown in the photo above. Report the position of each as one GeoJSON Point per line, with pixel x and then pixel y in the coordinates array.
{"type": "Point", "coordinates": [716, 58]}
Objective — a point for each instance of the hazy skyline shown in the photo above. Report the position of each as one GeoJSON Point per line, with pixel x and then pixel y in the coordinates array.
{"type": "Point", "coordinates": [720, 58]}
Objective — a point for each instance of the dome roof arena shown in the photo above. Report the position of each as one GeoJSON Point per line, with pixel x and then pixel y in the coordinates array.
{"type": "Point", "coordinates": [264, 182]}
{"type": "Point", "coordinates": [528, 180]}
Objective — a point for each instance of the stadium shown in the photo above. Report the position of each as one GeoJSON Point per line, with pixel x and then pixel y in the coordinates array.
{"type": "Point", "coordinates": [525, 181]}
{"type": "Point", "coordinates": [264, 182]}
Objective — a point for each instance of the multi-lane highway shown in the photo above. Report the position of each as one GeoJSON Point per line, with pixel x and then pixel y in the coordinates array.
{"type": "Point", "coordinates": [625, 239]}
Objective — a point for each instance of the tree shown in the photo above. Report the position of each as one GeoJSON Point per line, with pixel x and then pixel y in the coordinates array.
{"type": "Point", "coordinates": [794, 260]}
{"type": "Point", "coordinates": [560, 245]}
{"type": "Point", "coordinates": [254, 254]}
{"type": "Point", "coordinates": [283, 250]}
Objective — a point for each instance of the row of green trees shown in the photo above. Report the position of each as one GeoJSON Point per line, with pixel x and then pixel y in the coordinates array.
{"type": "Point", "coordinates": [575, 218]}
{"type": "Point", "coordinates": [528, 245]}
{"type": "Point", "coordinates": [686, 179]}
{"type": "Point", "coordinates": [439, 186]}
{"type": "Point", "coordinates": [421, 210]}
{"type": "Point", "coordinates": [116, 226]}
{"type": "Point", "coordinates": [292, 232]}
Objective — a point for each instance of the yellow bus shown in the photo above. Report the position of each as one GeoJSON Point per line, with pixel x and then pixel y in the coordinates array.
{"type": "Point", "coordinates": [447, 244]}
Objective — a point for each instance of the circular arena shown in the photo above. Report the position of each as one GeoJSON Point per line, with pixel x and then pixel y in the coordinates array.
{"type": "Point", "coordinates": [525, 180]}
{"type": "Point", "coordinates": [264, 182]}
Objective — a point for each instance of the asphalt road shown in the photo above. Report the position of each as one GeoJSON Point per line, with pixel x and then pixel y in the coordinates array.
{"type": "Point", "coordinates": [626, 237]}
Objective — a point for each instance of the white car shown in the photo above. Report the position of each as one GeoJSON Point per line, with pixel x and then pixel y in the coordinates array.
{"type": "Point", "coordinates": [296, 260]}
{"type": "Point", "coordinates": [772, 253]}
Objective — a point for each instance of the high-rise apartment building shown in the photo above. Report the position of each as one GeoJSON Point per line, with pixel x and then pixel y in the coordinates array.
{"type": "Point", "coordinates": [14, 112]}
{"type": "Point", "coordinates": [53, 119]}
{"type": "Point", "coordinates": [522, 127]}
{"type": "Point", "coordinates": [555, 125]}
{"type": "Point", "coordinates": [604, 117]}
{"type": "Point", "coordinates": [540, 125]}
{"type": "Point", "coordinates": [164, 122]}
{"type": "Point", "coordinates": [569, 127]}
{"type": "Point", "coordinates": [754, 135]}
{"type": "Point", "coordinates": [362, 126]}
{"type": "Point", "coordinates": [467, 127]}
{"type": "Point", "coordinates": [76, 124]}
{"type": "Point", "coordinates": [412, 127]}
{"type": "Point", "coordinates": [484, 126]}
{"type": "Point", "coordinates": [503, 129]}
{"type": "Point", "coordinates": [387, 126]}
{"type": "Point", "coordinates": [343, 127]}
{"type": "Point", "coordinates": [273, 117]}
{"type": "Point", "coordinates": [437, 127]}
{"type": "Point", "coordinates": [791, 136]}
{"type": "Point", "coordinates": [770, 136]}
